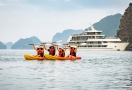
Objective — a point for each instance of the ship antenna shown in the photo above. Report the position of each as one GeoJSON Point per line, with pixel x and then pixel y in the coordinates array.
{"type": "Point", "coordinates": [92, 27]}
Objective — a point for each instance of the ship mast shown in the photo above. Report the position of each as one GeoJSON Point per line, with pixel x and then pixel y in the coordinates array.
{"type": "Point", "coordinates": [92, 27]}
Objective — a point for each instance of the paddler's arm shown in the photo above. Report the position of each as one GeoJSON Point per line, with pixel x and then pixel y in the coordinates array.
{"type": "Point", "coordinates": [57, 48]}
{"type": "Point", "coordinates": [34, 47]}
{"type": "Point", "coordinates": [68, 47]}
{"type": "Point", "coordinates": [76, 48]}
{"type": "Point", "coordinates": [64, 48]}
{"type": "Point", "coordinates": [43, 46]}
{"type": "Point", "coordinates": [53, 45]}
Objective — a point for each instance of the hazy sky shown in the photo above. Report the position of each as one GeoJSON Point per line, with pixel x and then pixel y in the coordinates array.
{"type": "Point", "coordinates": [44, 18]}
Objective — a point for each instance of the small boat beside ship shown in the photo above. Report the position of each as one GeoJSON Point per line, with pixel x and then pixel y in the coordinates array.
{"type": "Point", "coordinates": [94, 40]}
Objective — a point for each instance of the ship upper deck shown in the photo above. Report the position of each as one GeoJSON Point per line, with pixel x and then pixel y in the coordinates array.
{"type": "Point", "coordinates": [91, 35]}
{"type": "Point", "coordinates": [92, 30]}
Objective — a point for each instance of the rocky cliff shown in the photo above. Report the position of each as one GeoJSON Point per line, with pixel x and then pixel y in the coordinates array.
{"type": "Point", "coordinates": [125, 28]}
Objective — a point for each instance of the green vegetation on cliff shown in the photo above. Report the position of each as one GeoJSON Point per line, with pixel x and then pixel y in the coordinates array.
{"type": "Point", "coordinates": [125, 28]}
{"type": "Point", "coordinates": [130, 37]}
{"type": "Point", "coordinates": [125, 31]}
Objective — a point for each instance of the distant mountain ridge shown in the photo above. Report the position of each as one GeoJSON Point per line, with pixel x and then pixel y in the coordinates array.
{"type": "Point", "coordinates": [9, 45]}
{"type": "Point", "coordinates": [22, 43]}
{"type": "Point", "coordinates": [108, 25]}
{"type": "Point", "coordinates": [2, 46]}
{"type": "Point", "coordinates": [65, 35]}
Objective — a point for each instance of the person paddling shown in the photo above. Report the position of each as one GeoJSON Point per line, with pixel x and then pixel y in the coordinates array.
{"type": "Point", "coordinates": [40, 50]}
{"type": "Point", "coordinates": [61, 52]}
{"type": "Point", "coordinates": [51, 50]}
{"type": "Point", "coordinates": [73, 51]}
{"type": "Point", "coordinates": [64, 50]}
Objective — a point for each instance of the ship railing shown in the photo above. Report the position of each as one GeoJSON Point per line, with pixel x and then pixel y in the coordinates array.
{"type": "Point", "coordinates": [111, 38]}
{"type": "Point", "coordinates": [79, 40]}
{"type": "Point", "coordinates": [85, 34]}
{"type": "Point", "coordinates": [90, 44]}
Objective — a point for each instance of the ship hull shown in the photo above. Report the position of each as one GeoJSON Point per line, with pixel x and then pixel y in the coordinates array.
{"type": "Point", "coordinates": [110, 47]}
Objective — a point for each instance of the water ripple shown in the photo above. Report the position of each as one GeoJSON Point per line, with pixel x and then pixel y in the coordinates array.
{"type": "Point", "coordinates": [105, 70]}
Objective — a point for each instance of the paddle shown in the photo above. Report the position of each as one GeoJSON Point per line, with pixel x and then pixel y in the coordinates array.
{"type": "Point", "coordinates": [76, 45]}
{"type": "Point", "coordinates": [28, 44]}
{"type": "Point", "coordinates": [58, 41]}
{"type": "Point", "coordinates": [46, 43]}
{"type": "Point", "coordinates": [54, 42]}
{"type": "Point", "coordinates": [32, 44]}
{"type": "Point", "coordinates": [65, 44]}
{"type": "Point", "coordinates": [49, 43]}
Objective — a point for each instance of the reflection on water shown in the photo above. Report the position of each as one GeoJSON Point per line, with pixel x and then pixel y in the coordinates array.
{"type": "Point", "coordinates": [109, 70]}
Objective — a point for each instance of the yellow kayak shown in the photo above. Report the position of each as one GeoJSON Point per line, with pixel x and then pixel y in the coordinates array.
{"type": "Point", "coordinates": [32, 57]}
{"type": "Point", "coordinates": [50, 57]}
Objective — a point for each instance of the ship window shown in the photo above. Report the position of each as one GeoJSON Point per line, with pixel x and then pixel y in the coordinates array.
{"type": "Point", "coordinates": [104, 45]}
{"type": "Point", "coordinates": [99, 42]}
{"type": "Point", "coordinates": [105, 42]}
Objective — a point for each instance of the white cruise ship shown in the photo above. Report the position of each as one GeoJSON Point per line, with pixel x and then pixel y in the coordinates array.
{"type": "Point", "coordinates": [94, 40]}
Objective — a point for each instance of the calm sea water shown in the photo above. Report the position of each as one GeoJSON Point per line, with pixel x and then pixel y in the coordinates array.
{"type": "Point", "coordinates": [98, 70]}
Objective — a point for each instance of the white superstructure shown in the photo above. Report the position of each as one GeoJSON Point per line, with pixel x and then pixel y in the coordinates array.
{"type": "Point", "coordinates": [94, 40]}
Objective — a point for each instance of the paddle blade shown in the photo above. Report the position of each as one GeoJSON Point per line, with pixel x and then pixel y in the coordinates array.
{"type": "Point", "coordinates": [65, 44]}
{"type": "Point", "coordinates": [58, 44]}
{"type": "Point", "coordinates": [59, 41]}
{"type": "Point", "coordinates": [28, 44]}
{"type": "Point", "coordinates": [48, 44]}
{"type": "Point", "coordinates": [43, 43]}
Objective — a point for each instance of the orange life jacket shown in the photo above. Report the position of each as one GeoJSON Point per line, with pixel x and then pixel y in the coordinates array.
{"type": "Point", "coordinates": [40, 52]}
{"type": "Point", "coordinates": [60, 53]}
{"type": "Point", "coordinates": [72, 52]}
{"type": "Point", "coordinates": [51, 52]}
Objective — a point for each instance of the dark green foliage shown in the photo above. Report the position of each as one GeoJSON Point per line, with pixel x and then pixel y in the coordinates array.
{"type": "Point", "coordinates": [126, 39]}
{"type": "Point", "coordinates": [117, 33]}
{"type": "Point", "coordinates": [126, 13]}
{"type": "Point", "coordinates": [130, 4]}
{"type": "Point", "coordinates": [130, 37]}
{"type": "Point", "coordinates": [131, 22]}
